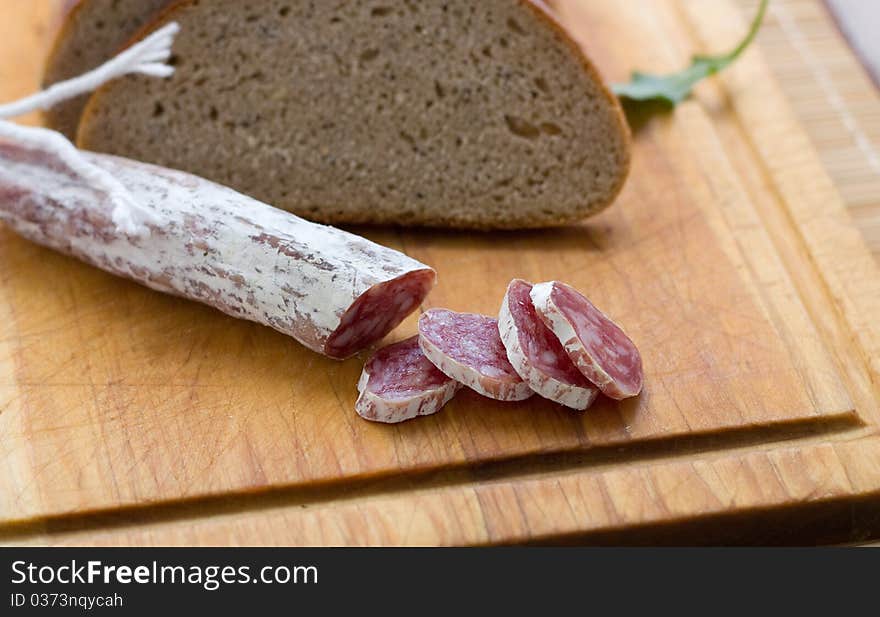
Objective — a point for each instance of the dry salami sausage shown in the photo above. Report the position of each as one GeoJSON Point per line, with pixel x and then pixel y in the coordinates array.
{"type": "Point", "coordinates": [467, 348]}
{"type": "Point", "coordinates": [599, 348]}
{"type": "Point", "coordinates": [536, 353]}
{"type": "Point", "coordinates": [399, 383]}
{"type": "Point", "coordinates": [333, 291]}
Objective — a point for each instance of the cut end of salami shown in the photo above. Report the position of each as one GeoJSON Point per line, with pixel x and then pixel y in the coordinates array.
{"type": "Point", "coordinates": [598, 347]}
{"type": "Point", "coordinates": [536, 353]}
{"type": "Point", "coordinates": [399, 383]}
{"type": "Point", "coordinates": [468, 348]}
{"type": "Point", "coordinates": [332, 291]}
{"type": "Point", "coordinates": [378, 311]}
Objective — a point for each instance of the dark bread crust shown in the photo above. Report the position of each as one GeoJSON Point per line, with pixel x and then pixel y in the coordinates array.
{"type": "Point", "coordinates": [70, 14]}
{"type": "Point", "coordinates": [539, 9]}
{"type": "Point", "coordinates": [60, 117]}
{"type": "Point", "coordinates": [547, 12]}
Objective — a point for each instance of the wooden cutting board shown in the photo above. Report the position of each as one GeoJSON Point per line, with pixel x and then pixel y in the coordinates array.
{"type": "Point", "coordinates": [129, 417]}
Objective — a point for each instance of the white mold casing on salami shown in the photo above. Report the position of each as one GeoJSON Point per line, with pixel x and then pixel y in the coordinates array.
{"type": "Point", "coordinates": [599, 348]}
{"type": "Point", "coordinates": [574, 392]}
{"type": "Point", "coordinates": [491, 377]}
{"type": "Point", "coordinates": [398, 383]}
{"type": "Point", "coordinates": [333, 291]}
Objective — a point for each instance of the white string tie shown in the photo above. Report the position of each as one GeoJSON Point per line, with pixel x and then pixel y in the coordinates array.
{"type": "Point", "coordinates": [148, 57]}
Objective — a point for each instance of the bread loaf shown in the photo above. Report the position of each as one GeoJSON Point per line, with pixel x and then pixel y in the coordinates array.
{"type": "Point", "coordinates": [440, 113]}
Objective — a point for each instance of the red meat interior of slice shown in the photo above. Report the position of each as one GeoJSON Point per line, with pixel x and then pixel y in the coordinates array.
{"type": "Point", "coordinates": [541, 347]}
{"type": "Point", "coordinates": [471, 340]}
{"type": "Point", "coordinates": [606, 343]}
{"type": "Point", "coordinates": [377, 312]}
{"type": "Point", "coordinates": [401, 370]}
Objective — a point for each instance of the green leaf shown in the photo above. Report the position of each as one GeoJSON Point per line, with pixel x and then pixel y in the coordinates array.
{"type": "Point", "coordinates": [672, 89]}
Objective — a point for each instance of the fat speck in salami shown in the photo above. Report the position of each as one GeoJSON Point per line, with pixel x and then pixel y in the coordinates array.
{"type": "Point", "coordinates": [467, 348]}
{"type": "Point", "coordinates": [598, 347]}
{"type": "Point", "coordinates": [536, 353]}
{"type": "Point", "coordinates": [399, 383]}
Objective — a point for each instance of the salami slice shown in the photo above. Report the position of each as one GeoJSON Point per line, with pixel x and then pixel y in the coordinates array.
{"type": "Point", "coordinates": [598, 347]}
{"type": "Point", "coordinates": [399, 383]}
{"type": "Point", "coordinates": [467, 348]}
{"type": "Point", "coordinates": [333, 291]}
{"type": "Point", "coordinates": [536, 353]}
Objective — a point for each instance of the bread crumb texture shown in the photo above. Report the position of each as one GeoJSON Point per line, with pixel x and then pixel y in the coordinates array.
{"type": "Point", "coordinates": [448, 113]}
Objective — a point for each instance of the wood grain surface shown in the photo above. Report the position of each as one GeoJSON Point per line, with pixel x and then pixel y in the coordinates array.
{"type": "Point", "coordinates": [833, 97]}
{"type": "Point", "coordinates": [131, 417]}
